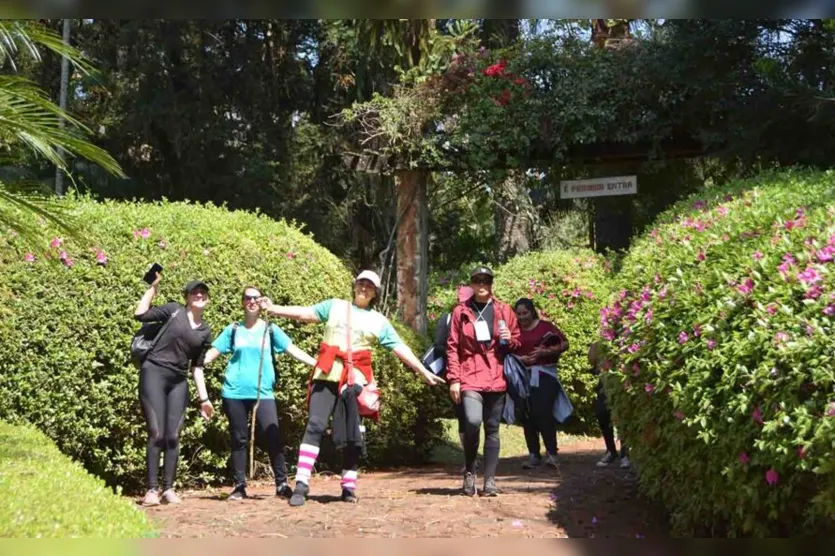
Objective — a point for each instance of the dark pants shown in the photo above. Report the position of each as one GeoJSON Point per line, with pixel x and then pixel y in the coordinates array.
{"type": "Point", "coordinates": [459, 416]}
{"type": "Point", "coordinates": [163, 394]}
{"type": "Point", "coordinates": [604, 418]}
{"type": "Point", "coordinates": [323, 397]}
{"type": "Point", "coordinates": [267, 436]}
{"type": "Point", "coordinates": [482, 407]}
{"type": "Point", "coordinates": [540, 417]}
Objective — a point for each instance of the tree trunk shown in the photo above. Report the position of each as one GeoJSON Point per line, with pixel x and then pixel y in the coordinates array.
{"type": "Point", "coordinates": [412, 248]}
{"type": "Point", "coordinates": [513, 213]}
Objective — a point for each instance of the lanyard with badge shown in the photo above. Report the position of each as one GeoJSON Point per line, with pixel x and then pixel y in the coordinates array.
{"type": "Point", "coordinates": [482, 331]}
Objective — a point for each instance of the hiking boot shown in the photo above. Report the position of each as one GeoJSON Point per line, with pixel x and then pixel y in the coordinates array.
{"type": "Point", "coordinates": [238, 493]}
{"type": "Point", "coordinates": [151, 498]}
{"type": "Point", "coordinates": [534, 461]}
{"type": "Point", "coordinates": [469, 484]}
{"type": "Point", "coordinates": [550, 460]}
{"type": "Point", "coordinates": [348, 495]}
{"type": "Point", "coordinates": [299, 494]}
{"type": "Point", "coordinates": [625, 463]}
{"type": "Point", "coordinates": [283, 490]}
{"type": "Point", "coordinates": [606, 460]}
{"type": "Point", "coordinates": [170, 497]}
{"type": "Point", "coordinates": [490, 488]}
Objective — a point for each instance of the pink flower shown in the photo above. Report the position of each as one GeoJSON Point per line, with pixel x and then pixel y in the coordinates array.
{"type": "Point", "coordinates": [757, 415]}
{"type": "Point", "coordinates": [743, 458]}
{"type": "Point", "coordinates": [101, 258]}
{"type": "Point", "coordinates": [826, 254]}
{"type": "Point", "coordinates": [699, 205]}
{"type": "Point", "coordinates": [771, 309]}
{"type": "Point", "coordinates": [757, 256]}
{"type": "Point", "coordinates": [829, 310]}
{"type": "Point", "coordinates": [711, 344]}
{"type": "Point", "coordinates": [570, 305]}
{"type": "Point", "coordinates": [662, 293]}
{"type": "Point", "coordinates": [608, 334]}
{"type": "Point", "coordinates": [290, 255]}
{"type": "Point", "coordinates": [63, 256]}
{"type": "Point", "coordinates": [679, 415]}
{"type": "Point", "coordinates": [830, 409]}
{"type": "Point", "coordinates": [814, 292]}
{"type": "Point", "coordinates": [658, 278]}
{"type": "Point", "coordinates": [55, 243]}
{"type": "Point", "coordinates": [68, 261]}
{"type": "Point", "coordinates": [697, 330]}
{"type": "Point", "coordinates": [701, 255]}
{"type": "Point", "coordinates": [781, 337]}
{"type": "Point", "coordinates": [771, 477]}
{"type": "Point", "coordinates": [636, 368]}
{"type": "Point", "coordinates": [723, 211]}
{"type": "Point", "coordinates": [746, 287]}
{"type": "Point", "coordinates": [29, 258]}
{"type": "Point", "coordinates": [726, 237]}
{"type": "Point", "coordinates": [809, 276]}
{"type": "Point", "coordinates": [683, 337]}
{"type": "Point", "coordinates": [648, 316]}
{"type": "Point", "coordinates": [649, 388]}
{"type": "Point", "coordinates": [634, 348]}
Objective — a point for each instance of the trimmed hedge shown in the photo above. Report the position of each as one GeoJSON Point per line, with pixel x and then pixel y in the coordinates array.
{"type": "Point", "coordinates": [64, 339]}
{"type": "Point", "coordinates": [45, 494]}
{"type": "Point", "coordinates": [569, 288]}
{"type": "Point", "coordinates": [721, 353]}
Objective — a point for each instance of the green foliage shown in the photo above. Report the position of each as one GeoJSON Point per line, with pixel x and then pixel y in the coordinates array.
{"type": "Point", "coordinates": [68, 318]}
{"type": "Point", "coordinates": [45, 494]}
{"type": "Point", "coordinates": [568, 289]}
{"type": "Point", "coordinates": [721, 354]}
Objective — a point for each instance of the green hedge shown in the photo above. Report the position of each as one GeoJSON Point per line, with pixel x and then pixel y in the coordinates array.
{"type": "Point", "coordinates": [569, 288]}
{"type": "Point", "coordinates": [65, 335]}
{"type": "Point", "coordinates": [722, 353]}
{"type": "Point", "coordinates": [45, 494]}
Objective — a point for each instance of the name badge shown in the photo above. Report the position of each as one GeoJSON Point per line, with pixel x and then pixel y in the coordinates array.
{"type": "Point", "coordinates": [482, 331]}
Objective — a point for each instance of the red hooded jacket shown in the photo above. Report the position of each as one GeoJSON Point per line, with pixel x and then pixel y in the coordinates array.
{"type": "Point", "coordinates": [476, 365]}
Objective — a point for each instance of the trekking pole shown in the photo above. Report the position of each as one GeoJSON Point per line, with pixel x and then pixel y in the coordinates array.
{"type": "Point", "coordinates": [257, 401]}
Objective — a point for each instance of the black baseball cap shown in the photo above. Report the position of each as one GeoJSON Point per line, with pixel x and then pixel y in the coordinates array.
{"type": "Point", "coordinates": [481, 270]}
{"type": "Point", "coordinates": [193, 285]}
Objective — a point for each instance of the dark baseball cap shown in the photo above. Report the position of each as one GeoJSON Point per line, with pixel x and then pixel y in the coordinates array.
{"type": "Point", "coordinates": [193, 285]}
{"type": "Point", "coordinates": [481, 270]}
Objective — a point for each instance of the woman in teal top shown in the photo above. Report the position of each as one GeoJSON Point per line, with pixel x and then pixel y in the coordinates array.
{"type": "Point", "coordinates": [240, 388]}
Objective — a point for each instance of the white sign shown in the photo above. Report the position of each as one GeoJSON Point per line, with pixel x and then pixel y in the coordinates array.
{"type": "Point", "coordinates": [599, 187]}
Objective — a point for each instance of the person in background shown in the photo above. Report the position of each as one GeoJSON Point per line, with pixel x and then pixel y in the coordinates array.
{"type": "Point", "coordinates": [542, 344]}
{"type": "Point", "coordinates": [241, 388]}
{"type": "Point", "coordinates": [328, 387]}
{"type": "Point", "coordinates": [163, 381]}
{"type": "Point", "coordinates": [604, 417]}
{"type": "Point", "coordinates": [482, 331]}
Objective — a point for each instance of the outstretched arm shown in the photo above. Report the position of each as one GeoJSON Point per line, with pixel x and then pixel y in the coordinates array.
{"type": "Point", "coordinates": [405, 354]}
{"type": "Point", "coordinates": [299, 355]}
{"type": "Point", "coordinates": [304, 314]}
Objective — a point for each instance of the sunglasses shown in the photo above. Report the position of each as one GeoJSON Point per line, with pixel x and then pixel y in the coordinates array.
{"type": "Point", "coordinates": [249, 298]}
{"type": "Point", "coordinates": [485, 281]}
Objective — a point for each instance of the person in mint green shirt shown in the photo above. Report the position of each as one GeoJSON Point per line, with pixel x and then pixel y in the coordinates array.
{"type": "Point", "coordinates": [245, 342]}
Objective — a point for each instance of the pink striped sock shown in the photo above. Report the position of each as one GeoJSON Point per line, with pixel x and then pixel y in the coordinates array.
{"type": "Point", "coordinates": [349, 479]}
{"type": "Point", "coordinates": [307, 458]}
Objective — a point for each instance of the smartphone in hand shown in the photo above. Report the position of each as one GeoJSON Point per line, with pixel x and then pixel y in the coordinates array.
{"type": "Point", "coordinates": [151, 275]}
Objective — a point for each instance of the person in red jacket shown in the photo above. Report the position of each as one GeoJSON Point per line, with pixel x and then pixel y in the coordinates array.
{"type": "Point", "coordinates": [482, 331]}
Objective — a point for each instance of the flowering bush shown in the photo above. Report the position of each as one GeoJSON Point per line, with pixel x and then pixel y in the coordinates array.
{"type": "Point", "coordinates": [568, 288]}
{"type": "Point", "coordinates": [66, 320]}
{"type": "Point", "coordinates": [720, 357]}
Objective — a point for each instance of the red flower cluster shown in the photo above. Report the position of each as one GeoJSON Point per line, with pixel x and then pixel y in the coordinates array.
{"type": "Point", "coordinates": [498, 70]}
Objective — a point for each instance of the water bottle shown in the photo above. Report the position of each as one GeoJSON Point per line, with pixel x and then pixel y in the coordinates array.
{"type": "Point", "coordinates": [502, 326]}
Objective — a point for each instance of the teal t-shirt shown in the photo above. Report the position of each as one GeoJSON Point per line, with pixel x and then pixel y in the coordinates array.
{"type": "Point", "coordinates": [240, 380]}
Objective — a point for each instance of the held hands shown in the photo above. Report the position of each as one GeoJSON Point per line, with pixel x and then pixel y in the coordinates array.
{"type": "Point", "coordinates": [206, 410]}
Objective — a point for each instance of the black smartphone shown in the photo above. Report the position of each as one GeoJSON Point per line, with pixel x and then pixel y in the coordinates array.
{"type": "Point", "coordinates": [151, 275]}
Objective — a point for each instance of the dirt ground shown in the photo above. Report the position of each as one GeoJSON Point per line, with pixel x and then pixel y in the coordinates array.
{"type": "Point", "coordinates": [576, 500]}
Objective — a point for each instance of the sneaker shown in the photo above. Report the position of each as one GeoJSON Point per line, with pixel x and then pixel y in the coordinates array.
{"type": "Point", "coordinates": [348, 495]}
{"type": "Point", "coordinates": [283, 490]}
{"type": "Point", "coordinates": [469, 484]}
{"type": "Point", "coordinates": [606, 460]}
{"type": "Point", "coordinates": [239, 493]}
{"type": "Point", "coordinates": [551, 461]}
{"type": "Point", "coordinates": [170, 497]}
{"type": "Point", "coordinates": [299, 494]}
{"type": "Point", "coordinates": [151, 498]}
{"type": "Point", "coordinates": [490, 488]}
{"type": "Point", "coordinates": [534, 461]}
{"type": "Point", "coordinates": [625, 463]}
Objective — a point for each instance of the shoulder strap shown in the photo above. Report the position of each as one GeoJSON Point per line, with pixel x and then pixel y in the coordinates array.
{"type": "Point", "coordinates": [163, 329]}
{"type": "Point", "coordinates": [234, 330]}
{"type": "Point", "coordinates": [350, 351]}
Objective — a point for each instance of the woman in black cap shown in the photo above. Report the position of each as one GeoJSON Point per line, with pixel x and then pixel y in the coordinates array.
{"type": "Point", "coordinates": [163, 380]}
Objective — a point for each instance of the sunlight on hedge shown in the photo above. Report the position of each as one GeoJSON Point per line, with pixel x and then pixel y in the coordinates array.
{"type": "Point", "coordinates": [721, 357]}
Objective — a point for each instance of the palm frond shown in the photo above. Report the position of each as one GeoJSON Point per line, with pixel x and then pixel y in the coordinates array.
{"type": "Point", "coordinates": [18, 36]}
{"type": "Point", "coordinates": [25, 205]}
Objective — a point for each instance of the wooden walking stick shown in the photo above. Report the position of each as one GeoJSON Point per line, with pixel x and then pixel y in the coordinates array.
{"type": "Point", "coordinates": [257, 400]}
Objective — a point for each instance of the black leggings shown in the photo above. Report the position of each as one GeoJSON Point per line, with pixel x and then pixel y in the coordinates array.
{"type": "Point", "coordinates": [482, 407]}
{"type": "Point", "coordinates": [322, 403]}
{"type": "Point", "coordinates": [604, 418]}
{"type": "Point", "coordinates": [540, 418]}
{"type": "Point", "coordinates": [163, 394]}
{"type": "Point", "coordinates": [266, 436]}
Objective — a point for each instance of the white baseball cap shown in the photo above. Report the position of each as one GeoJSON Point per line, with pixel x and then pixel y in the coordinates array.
{"type": "Point", "coordinates": [369, 275]}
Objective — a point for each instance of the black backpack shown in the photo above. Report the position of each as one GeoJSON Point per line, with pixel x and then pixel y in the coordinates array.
{"type": "Point", "coordinates": [146, 338]}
